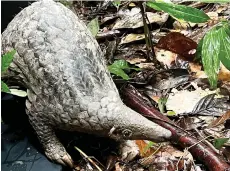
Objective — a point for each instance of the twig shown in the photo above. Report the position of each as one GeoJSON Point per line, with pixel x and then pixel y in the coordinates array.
{"type": "Point", "coordinates": [148, 40]}
{"type": "Point", "coordinates": [87, 157]}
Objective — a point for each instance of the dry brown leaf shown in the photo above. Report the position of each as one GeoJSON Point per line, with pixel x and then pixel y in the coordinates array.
{"type": "Point", "coordinates": [183, 25]}
{"type": "Point", "coordinates": [135, 21]}
{"type": "Point", "coordinates": [224, 74]}
{"type": "Point", "coordinates": [135, 60]}
{"type": "Point", "coordinates": [131, 38]}
{"type": "Point", "coordinates": [165, 57]}
{"type": "Point", "coordinates": [142, 147]}
{"type": "Point", "coordinates": [149, 66]}
{"type": "Point", "coordinates": [219, 120]}
{"type": "Point", "coordinates": [179, 44]}
{"type": "Point", "coordinates": [168, 158]}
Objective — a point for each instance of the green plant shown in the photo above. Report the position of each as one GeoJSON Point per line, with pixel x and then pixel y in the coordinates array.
{"type": "Point", "coordinates": [214, 47]}
{"type": "Point", "coordinates": [93, 26]}
{"type": "Point", "coordinates": [116, 3]}
{"type": "Point", "coordinates": [6, 61]}
{"type": "Point", "coordinates": [118, 68]}
{"type": "Point", "coordinates": [219, 142]}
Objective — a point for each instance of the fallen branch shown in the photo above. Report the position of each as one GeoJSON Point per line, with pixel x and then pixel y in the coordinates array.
{"type": "Point", "coordinates": [199, 150]}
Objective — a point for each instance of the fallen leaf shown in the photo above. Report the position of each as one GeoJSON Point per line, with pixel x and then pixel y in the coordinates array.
{"type": "Point", "coordinates": [165, 57]}
{"type": "Point", "coordinates": [179, 44]}
{"type": "Point", "coordinates": [146, 149]}
{"type": "Point", "coordinates": [168, 158]}
{"type": "Point", "coordinates": [135, 60]}
{"type": "Point", "coordinates": [131, 38]}
{"type": "Point", "coordinates": [93, 26]}
{"type": "Point", "coordinates": [170, 78]}
{"type": "Point", "coordinates": [211, 106]}
{"type": "Point", "coordinates": [200, 102]}
{"type": "Point", "coordinates": [146, 65]}
{"type": "Point", "coordinates": [136, 21]}
{"type": "Point", "coordinates": [224, 73]}
{"type": "Point", "coordinates": [220, 120]}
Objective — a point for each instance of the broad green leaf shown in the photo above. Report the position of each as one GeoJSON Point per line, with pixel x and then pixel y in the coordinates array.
{"type": "Point", "coordinates": [161, 104]}
{"type": "Point", "coordinates": [218, 143]}
{"type": "Point", "coordinates": [210, 55]}
{"type": "Point", "coordinates": [118, 72]}
{"type": "Point", "coordinates": [7, 59]}
{"type": "Point", "coordinates": [224, 53]}
{"type": "Point", "coordinates": [4, 87]}
{"type": "Point", "coordinates": [152, 5]}
{"type": "Point", "coordinates": [181, 12]}
{"type": "Point", "coordinates": [122, 64]}
{"type": "Point", "coordinates": [118, 66]}
{"type": "Point", "coordinates": [208, 1]}
{"type": "Point", "coordinates": [93, 26]}
{"type": "Point", "coordinates": [157, 8]}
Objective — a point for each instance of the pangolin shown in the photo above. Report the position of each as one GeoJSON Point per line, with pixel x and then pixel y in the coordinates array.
{"type": "Point", "coordinates": [69, 87]}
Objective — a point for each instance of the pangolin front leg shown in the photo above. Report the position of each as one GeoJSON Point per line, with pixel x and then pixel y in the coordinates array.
{"type": "Point", "coordinates": [53, 148]}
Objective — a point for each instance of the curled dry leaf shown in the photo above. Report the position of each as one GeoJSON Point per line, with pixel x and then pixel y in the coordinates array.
{"type": "Point", "coordinates": [211, 105]}
{"type": "Point", "coordinates": [149, 66]}
{"type": "Point", "coordinates": [156, 35]}
{"type": "Point", "coordinates": [146, 150]}
{"type": "Point", "coordinates": [132, 38]}
{"type": "Point", "coordinates": [177, 51]}
{"type": "Point", "coordinates": [189, 123]}
{"type": "Point", "coordinates": [179, 44]}
{"type": "Point", "coordinates": [183, 25]}
{"type": "Point", "coordinates": [167, 58]}
{"type": "Point", "coordinates": [224, 73]}
{"type": "Point", "coordinates": [136, 21]}
{"type": "Point", "coordinates": [169, 79]}
{"type": "Point", "coordinates": [135, 60]}
{"type": "Point", "coordinates": [179, 102]}
{"type": "Point", "coordinates": [220, 120]}
{"type": "Point", "coordinates": [168, 158]}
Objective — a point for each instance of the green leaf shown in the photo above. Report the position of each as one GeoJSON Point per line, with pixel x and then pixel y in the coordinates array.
{"type": "Point", "coordinates": [4, 87]}
{"type": "Point", "coordinates": [118, 66]}
{"type": "Point", "coordinates": [7, 59]}
{"type": "Point", "coordinates": [181, 12]}
{"type": "Point", "coordinates": [93, 26]}
{"type": "Point", "coordinates": [116, 3]}
{"type": "Point", "coordinates": [161, 104]}
{"type": "Point", "coordinates": [171, 113]}
{"type": "Point", "coordinates": [224, 53]}
{"type": "Point", "coordinates": [118, 72]}
{"type": "Point", "coordinates": [199, 50]}
{"type": "Point", "coordinates": [210, 55]}
{"type": "Point", "coordinates": [208, 1]}
{"type": "Point", "coordinates": [122, 64]}
{"type": "Point", "coordinates": [152, 5]}
{"type": "Point", "coordinates": [150, 144]}
{"type": "Point", "coordinates": [218, 143]}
